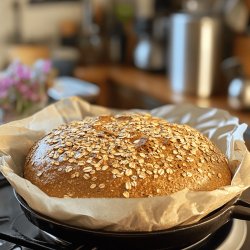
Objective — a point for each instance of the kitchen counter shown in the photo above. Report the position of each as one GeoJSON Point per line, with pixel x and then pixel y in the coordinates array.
{"type": "Point", "coordinates": [153, 85]}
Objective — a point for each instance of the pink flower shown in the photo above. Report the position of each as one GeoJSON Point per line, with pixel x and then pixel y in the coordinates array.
{"type": "Point", "coordinates": [23, 85]}
{"type": "Point", "coordinates": [47, 66]}
{"type": "Point", "coordinates": [3, 93]}
{"type": "Point", "coordinates": [23, 72]}
{"type": "Point", "coordinates": [5, 85]}
{"type": "Point", "coordinates": [43, 66]}
{"type": "Point", "coordinates": [34, 97]}
{"type": "Point", "coordinates": [6, 82]}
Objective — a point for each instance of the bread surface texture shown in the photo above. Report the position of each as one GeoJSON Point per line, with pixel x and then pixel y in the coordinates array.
{"type": "Point", "coordinates": [126, 155]}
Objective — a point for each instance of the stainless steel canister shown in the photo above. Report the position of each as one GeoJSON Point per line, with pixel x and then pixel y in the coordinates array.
{"type": "Point", "coordinates": [195, 53]}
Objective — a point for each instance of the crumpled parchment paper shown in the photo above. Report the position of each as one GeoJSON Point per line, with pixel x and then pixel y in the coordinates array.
{"type": "Point", "coordinates": [119, 214]}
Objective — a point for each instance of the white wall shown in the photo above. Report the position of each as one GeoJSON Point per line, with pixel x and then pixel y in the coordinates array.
{"type": "Point", "coordinates": [39, 21]}
{"type": "Point", "coordinates": [6, 23]}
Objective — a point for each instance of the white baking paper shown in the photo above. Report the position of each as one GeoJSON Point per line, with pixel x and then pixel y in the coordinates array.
{"type": "Point", "coordinates": [120, 214]}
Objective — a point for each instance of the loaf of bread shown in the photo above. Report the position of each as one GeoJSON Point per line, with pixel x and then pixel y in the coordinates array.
{"type": "Point", "coordinates": [127, 155]}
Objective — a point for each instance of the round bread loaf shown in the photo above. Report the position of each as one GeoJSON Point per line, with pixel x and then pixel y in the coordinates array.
{"type": "Point", "coordinates": [130, 155]}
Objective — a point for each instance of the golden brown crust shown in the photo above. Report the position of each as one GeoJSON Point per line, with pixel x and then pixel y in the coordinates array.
{"type": "Point", "coordinates": [130, 155]}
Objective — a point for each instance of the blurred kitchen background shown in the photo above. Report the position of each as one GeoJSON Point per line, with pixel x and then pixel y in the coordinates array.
{"type": "Point", "coordinates": [126, 53]}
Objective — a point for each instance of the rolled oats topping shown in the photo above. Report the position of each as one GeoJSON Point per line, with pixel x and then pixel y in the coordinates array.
{"type": "Point", "coordinates": [129, 153]}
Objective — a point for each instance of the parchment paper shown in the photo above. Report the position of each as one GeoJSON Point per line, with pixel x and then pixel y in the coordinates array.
{"type": "Point", "coordinates": [119, 214]}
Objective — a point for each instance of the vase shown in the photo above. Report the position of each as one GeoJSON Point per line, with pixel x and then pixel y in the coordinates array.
{"type": "Point", "coordinates": [16, 112]}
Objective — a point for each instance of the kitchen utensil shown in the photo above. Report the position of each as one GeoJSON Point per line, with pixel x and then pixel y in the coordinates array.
{"type": "Point", "coordinates": [232, 68]}
{"type": "Point", "coordinates": [239, 84]}
{"type": "Point", "coordinates": [150, 50]}
{"type": "Point", "coordinates": [172, 238]}
{"type": "Point", "coordinates": [203, 6]}
{"type": "Point", "coordinates": [149, 54]}
{"type": "Point", "coordinates": [239, 93]}
{"type": "Point", "coordinates": [236, 15]}
{"type": "Point", "coordinates": [90, 41]}
{"type": "Point", "coordinates": [64, 60]}
{"type": "Point", "coordinates": [195, 53]}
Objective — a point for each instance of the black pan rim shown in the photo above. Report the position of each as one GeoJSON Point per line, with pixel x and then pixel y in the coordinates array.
{"type": "Point", "coordinates": [227, 208]}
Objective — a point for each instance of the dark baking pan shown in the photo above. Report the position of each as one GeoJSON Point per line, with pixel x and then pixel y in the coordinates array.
{"type": "Point", "coordinates": [174, 238]}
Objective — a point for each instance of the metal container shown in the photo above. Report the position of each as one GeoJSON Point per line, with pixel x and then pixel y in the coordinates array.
{"type": "Point", "coordinates": [195, 53]}
{"type": "Point", "coordinates": [239, 93]}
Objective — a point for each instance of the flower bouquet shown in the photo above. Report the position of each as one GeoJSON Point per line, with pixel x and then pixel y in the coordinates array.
{"type": "Point", "coordinates": [23, 88]}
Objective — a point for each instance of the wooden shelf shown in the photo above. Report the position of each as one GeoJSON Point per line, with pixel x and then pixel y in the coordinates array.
{"type": "Point", "coordinates": [154, 85]}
